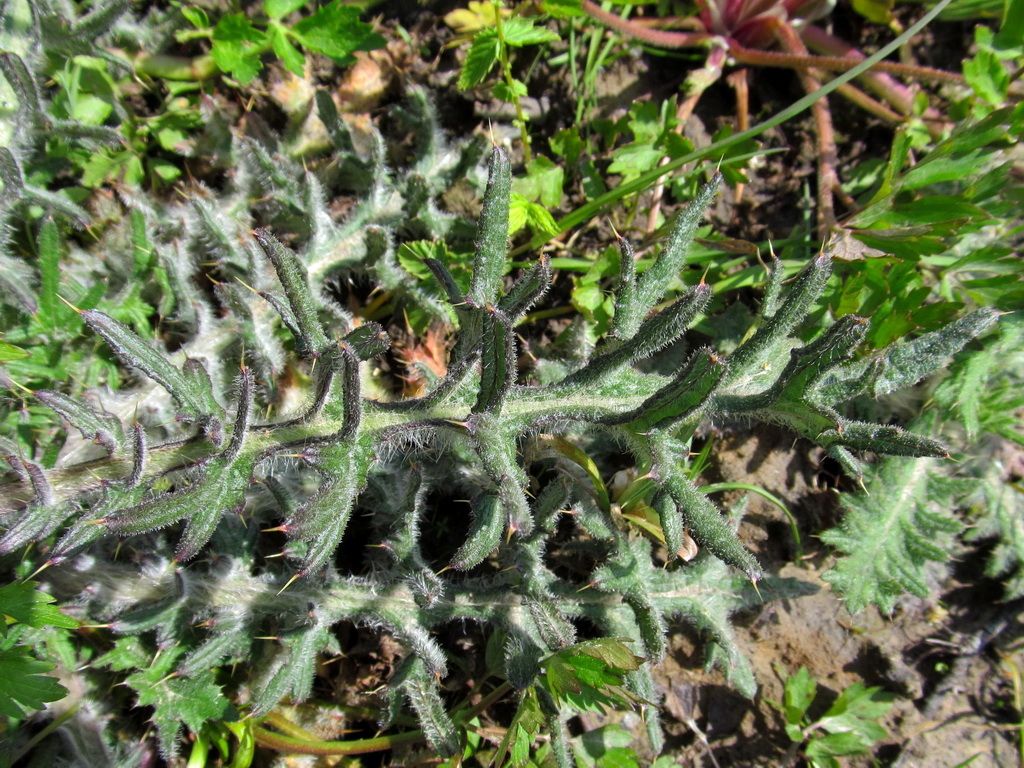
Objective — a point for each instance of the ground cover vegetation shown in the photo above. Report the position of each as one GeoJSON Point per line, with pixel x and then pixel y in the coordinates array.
{"type": "Point", "coordinates": [376, 382]}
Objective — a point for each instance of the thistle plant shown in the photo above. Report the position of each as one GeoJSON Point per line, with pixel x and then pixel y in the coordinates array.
{"type": "Point", "coordinates": [201, 483]}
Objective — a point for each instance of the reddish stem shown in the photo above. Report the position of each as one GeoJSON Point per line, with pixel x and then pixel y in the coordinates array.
{"type": "Point", "coordinates": [741, 84]}
{"type": "Point", "coordinates": [828, 180]}
{"type": "Point", "coordinates": [895, 93]}
{"type": "Point", "coordinates": [659, 37]}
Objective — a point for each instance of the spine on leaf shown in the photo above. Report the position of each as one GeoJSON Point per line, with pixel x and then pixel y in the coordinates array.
{"type": "Point", "coordinates": [684, 396]}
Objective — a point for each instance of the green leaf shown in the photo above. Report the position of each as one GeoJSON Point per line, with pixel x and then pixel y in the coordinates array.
{"type": "Point", "coordinates": [987, 75]}
{"type": "Point", "coordinates": [236, 47]}
{"type": "Point", "coordinates": [520, 735]}
{"type": "Point", "coordinates": [800, 691]}
{"type": "Point", "coordinates": [127, 653]}
{"type": "Point", "coordinates": [278, 9]}
{"type": "Point", "coordinates": [23, 685]}
{"type": "Point", "coordinates": [543, 182]}
{"type": "Point", "coordinates": [511, 94]}
{"type": "Point", "coordinates": [9, 352]}
{"type": "Point", "coordinates": [563, 9]}
{"type": "Point", "coordinates": [568, 145]}
{"type": "Point", "coordinates": [835, 745]}
{"type": "Point", "coordinates": [589, 675]}
{"type": "Point", "coordinates": [856, 710]}
{"type": "Point", "coordinates": [164, 170]}
{"type": "Point", "coordinates": [877, 11]}
{"type": "Point", "coordinates": [482, 55]}
{"type": "Point", "coordinates": [606, 747]}
{"type": "Point", "coordinates": [178, 700]}
{"type": "Point", "coordinates": [22, 602]}
{"type": "Point", "coordinates": [523, 213]}
{"type": "Point", "coordinates": [293, 60]}
{"type": "Point", "coordinates": [196, 16]}
{"type": "Point", "coordinates": [336, 31]}
{"type": "Point", "coordinates": [91, 110]}
{"type": "Point", "coordinates": [520, 30]}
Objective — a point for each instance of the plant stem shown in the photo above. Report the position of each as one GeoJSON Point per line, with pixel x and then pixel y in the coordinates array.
{"type": "Point", "coordinates": [287, 727]}
{"type": "Point", "coordinates": [288, 744]}
{"type": "Point", "coordinates": [171, 67]}
{"type": "Point", "coordinates": [506, 71]}
{"type": "Point", "coordinates": [828, 179]}
{"type": "Point", "coordinates": [50, 727]}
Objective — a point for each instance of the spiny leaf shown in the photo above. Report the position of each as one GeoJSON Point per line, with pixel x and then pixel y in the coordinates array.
{"type": "Point", "coordinates": [526, 291]}
{"type": "Point", "coordinates": [684, 395]}
{"type": "Point", "coordinates": [323, 519]}
{"type": "Point", "coordinates": [293, 670]}
{"type": "Point", "coordinates": [193, 393]}
{"type": "Point", "coordinates": [292, 275]}
{"type": "Point", "coordinates": [22, 82]}
{"type": "Point", "coordinates": [909, 362]}
{"type": "Point", "coordinates": [883, 439]}
{"type": "Point", "coordinates": [484, 533]}
{"type": "Point", "coordinates": [655, 334]}
{"type": "Point", "coordinates": [368, 340]}
{"type": "Point", "coordinates": [491, 259]}
{"type": "Point", "coordinates": [808, 285]}
{"type": "Point", "coordinates": [498, 362]}
{"type": "Point", "coordinates": [420, 689]}
{"type": "Point", "coordinates": [652, 284]}
{"type": "Point", "coordinates": [219, 488]}
{"type": "Point", "coordinates": [104, 429]}
{"type": "Point", "coordinates": [99, 20]}
{"type": "Point", "coordinates": [553, 628]}
{"type": "Point", "coordinates": [10, 172]}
